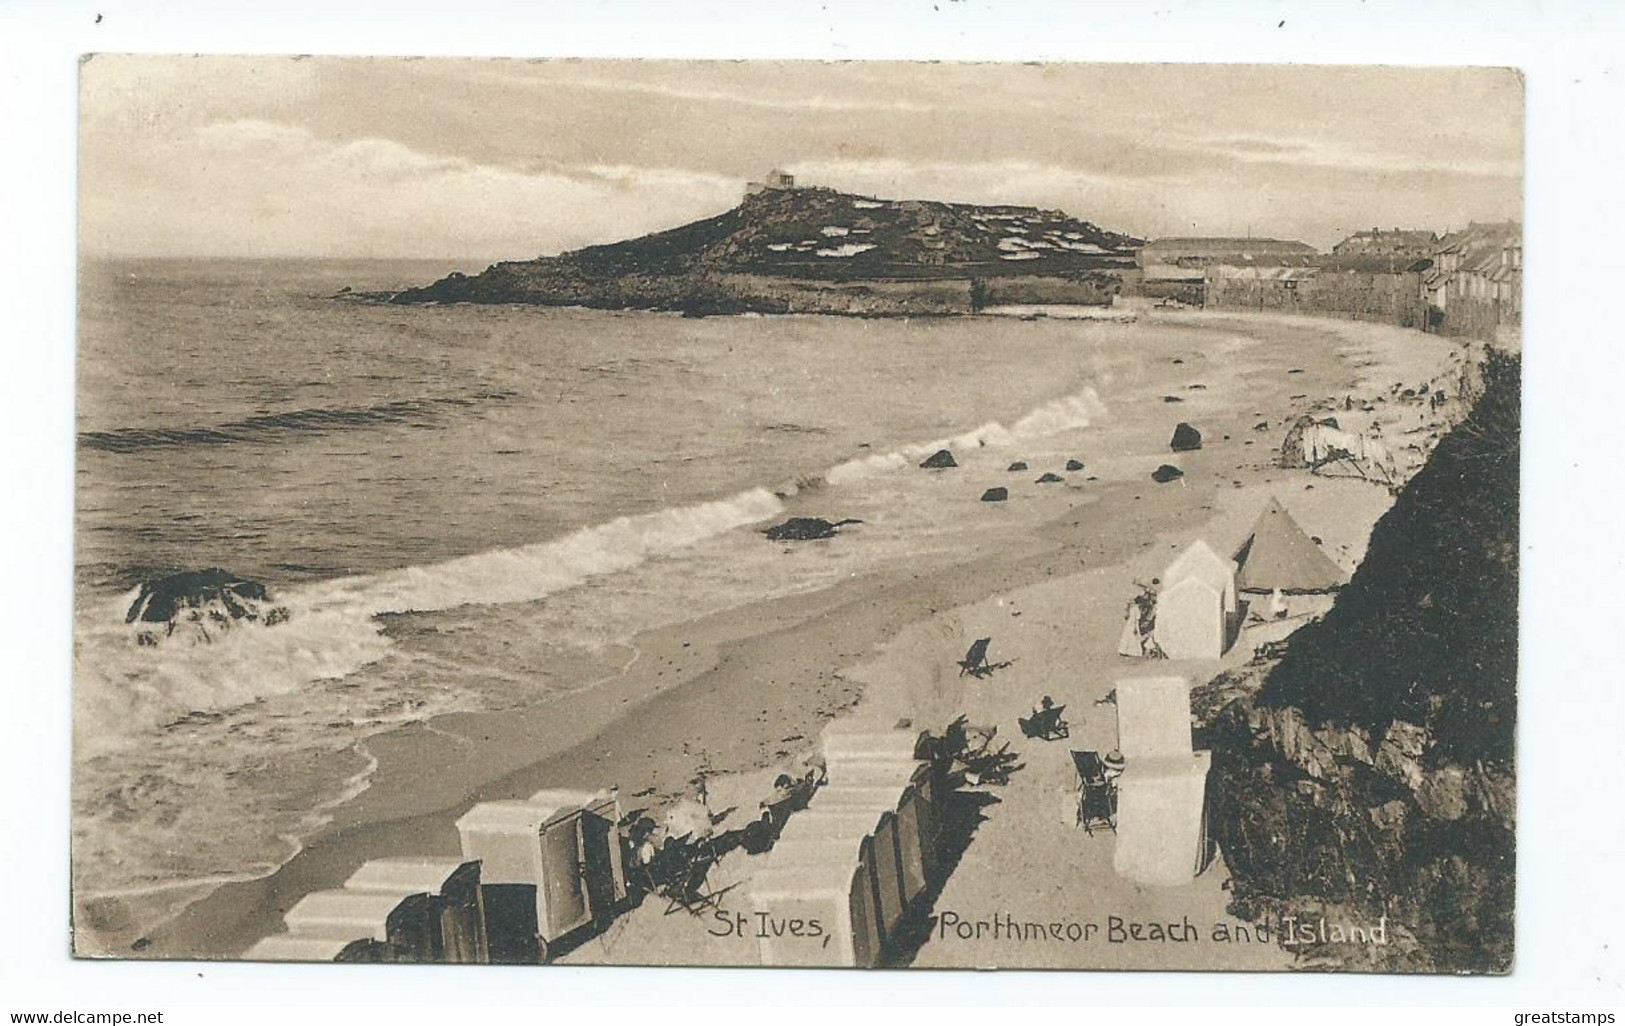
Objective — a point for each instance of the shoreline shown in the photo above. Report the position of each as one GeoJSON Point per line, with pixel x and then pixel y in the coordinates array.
{"type": "Point", "coordinates": [693, 681]}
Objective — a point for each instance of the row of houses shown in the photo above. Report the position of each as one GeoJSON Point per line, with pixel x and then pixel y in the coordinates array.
{"type": "Point", "coordinates": [1467, 282]}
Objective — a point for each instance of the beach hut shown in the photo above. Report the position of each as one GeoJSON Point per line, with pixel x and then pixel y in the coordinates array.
{"type": "Point", "coordinates": [317, 946]}
{"type": "Point", "coordinates": [851, 744]}
{"type": "Point", "coordinates": [889, 877]}
{"type": "Point", "coordinates": [830, 899]}
{"type": "Point", "coordinates": [451, 925]}
{"type": "Point", "coordinates": [1278, 555]}
{"type": "Point", "coordinates": [1200, 561]}
{"type": "Point", "coordinates": [1161, 813]}
{"type": "Point", "coordinates": [916, 842]}
{"type": "Point", "coordinates": [550, 865]}
{"type": "Point", "coordinates": [348, 916]}
{"type": "Point", "coordinates": [909, 791]}
{"type": "Point", "coordinates": [1191, 621]}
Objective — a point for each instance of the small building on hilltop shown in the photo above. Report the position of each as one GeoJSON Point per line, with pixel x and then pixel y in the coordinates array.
{"type": "Point", "coordinates": [775, 180]}
{"type": "Point", "coordinates": [1395, 242]}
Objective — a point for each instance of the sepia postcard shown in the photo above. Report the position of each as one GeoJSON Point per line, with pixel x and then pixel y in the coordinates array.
{"type": "Point", "coordinates": [789, 514]}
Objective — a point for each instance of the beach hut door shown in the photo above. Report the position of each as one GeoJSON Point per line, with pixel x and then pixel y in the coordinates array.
{"type": "Point", "coordinates": [563, 885]}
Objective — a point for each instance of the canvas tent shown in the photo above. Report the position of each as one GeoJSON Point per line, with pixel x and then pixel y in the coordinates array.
{"type": "Point", "coordinates": [1279, 555]}
{"type": "Point", "coordinates": [1161, 816]}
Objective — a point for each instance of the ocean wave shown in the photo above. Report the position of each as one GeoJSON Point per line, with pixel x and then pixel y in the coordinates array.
{"type": "Point", "coordinates": [1065, 414]}
{"type": "Point", "coordinates": [273, 427]}
{"type": "Point", "coordinates": [333, 628]}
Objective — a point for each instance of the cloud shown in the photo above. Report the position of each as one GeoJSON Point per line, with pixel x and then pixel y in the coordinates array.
{"type": "Point", "coordinates": [330, 156]}
{"type": "Point", "coordinates": [777, 90]}
{"type": "Point", "coordinates": [262, 188]}
{"type": "Point", "coordinates": [1344, 156]}
{"type": "Point", "coordinates": [815, 102]}
{"type": "Point", "coordinates": [1002, 181]}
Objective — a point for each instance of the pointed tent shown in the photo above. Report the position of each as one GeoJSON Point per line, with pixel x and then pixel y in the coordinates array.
{"type": "Point", "coordinates": [1279, 555]}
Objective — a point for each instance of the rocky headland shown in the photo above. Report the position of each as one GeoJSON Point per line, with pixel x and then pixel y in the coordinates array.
{"type": "Point", "coordinates": [816, 250]}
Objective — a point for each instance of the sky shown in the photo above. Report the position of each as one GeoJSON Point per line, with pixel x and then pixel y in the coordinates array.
{"type": "Point", "coordinates": [495, 159]}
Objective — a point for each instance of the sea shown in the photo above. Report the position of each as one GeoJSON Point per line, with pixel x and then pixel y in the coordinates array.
{"type": "Point", "coordinates": [471, 507]}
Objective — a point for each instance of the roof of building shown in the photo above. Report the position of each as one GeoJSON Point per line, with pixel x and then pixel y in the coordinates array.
{"type": "Point", "coordinates": [1287, 266]}
{"type": "Point", "coordinates": [1376, 263]}
{"type": "Point", "coordinates": [1481, 234]}
{"type": "Point", "coordinates": [1263, 272]}
{"type": "Point", "coordinates": [1397, 236]}
{"type": "Point", "coordinates": [1222, 245]}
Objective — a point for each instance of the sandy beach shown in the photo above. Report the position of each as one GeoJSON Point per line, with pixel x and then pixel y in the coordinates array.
{"type": "Point", "coordinates": [738, 694]}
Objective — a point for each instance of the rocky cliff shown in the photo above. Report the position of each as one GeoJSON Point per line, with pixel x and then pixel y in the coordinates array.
{"type": "Point", "coordinates": [819, 250]}
{"type": "Point", "coordinates": [1369, 770]}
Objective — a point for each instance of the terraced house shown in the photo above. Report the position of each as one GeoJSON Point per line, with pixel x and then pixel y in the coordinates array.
{"type": "Point", "coordinates": [1475, 286]}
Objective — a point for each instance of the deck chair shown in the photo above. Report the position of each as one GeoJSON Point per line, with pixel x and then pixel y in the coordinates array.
{"type": "Point", "coordinates": [990, 765]}
{"type": "Point", "coordinates": [684, 880]}
{"type": "Point", "coordinates": [1045, 724]}
{"type": "Point", "coordinates": [975, 662]}
{"type": "Point", "coordinates": [788, 799]}
{"type": "Point", "coordinates": [1097, 795]}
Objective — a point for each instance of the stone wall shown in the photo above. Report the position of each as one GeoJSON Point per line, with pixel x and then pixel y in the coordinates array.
{"type": "Point", "coordinates": [864, 298]}
{"type": "Point", "coordinates": [1392, 298]}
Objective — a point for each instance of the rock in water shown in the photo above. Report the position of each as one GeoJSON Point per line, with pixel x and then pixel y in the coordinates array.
{"type": "Point", "coordinates": [806, 529]}
{"type": "Point", "coordinates": [1051, 479]}
{"type": "Point", "coordinates": [1074, 464]}
{"type": "Point", "coordinates": [996, 495]}
{"type": "Point", "coordinates": [158, 601]}
{"type": "Point", "coordinates": [1017, 465]}
{"type": "Point", "coordinates": [942, 459]}
{"type": "Point", "coordinates": [1166, 473]}
{"type": "Point", "coordinates": [200, 602]}
{"type": "Point", "coordinates": [1186, 438]}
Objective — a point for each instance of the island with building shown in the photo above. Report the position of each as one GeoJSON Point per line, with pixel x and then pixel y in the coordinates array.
{"type": "Point", "coordinates": [792, 248]}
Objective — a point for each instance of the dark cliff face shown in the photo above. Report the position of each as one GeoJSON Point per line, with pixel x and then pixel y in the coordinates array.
{"type": "Point", "coordinates": [1427, 632]}
{"type": "Point", "coordinates": [813, 235]}
{"type": "Point", "coordinates": [1371, 770]}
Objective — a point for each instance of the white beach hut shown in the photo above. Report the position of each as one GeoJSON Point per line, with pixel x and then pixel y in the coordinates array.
{"type": "Point", "coordinates": [1191, 621]}
{"type": "Point", "coordinates": [549, 865]}
{"type": "Point", "coordinates": [1200, 561]}
{"type": "Point", "coordinates": [1161, 814]}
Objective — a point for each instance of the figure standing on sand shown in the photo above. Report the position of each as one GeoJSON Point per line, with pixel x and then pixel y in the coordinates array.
{"type": "Point", "coordinates": [1139, 623]}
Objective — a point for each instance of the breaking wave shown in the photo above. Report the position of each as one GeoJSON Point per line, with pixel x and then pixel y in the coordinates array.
{"type": "Point", "coordinates": [333, 629]}
{"type": "Point", "coordinates": [1064, 414]}
{"type": "Point", "coordinates": [275, 427]}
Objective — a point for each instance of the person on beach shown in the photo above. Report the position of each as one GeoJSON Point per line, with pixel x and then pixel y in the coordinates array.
{"type": "Point", "coordinates": [1142, 612]}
